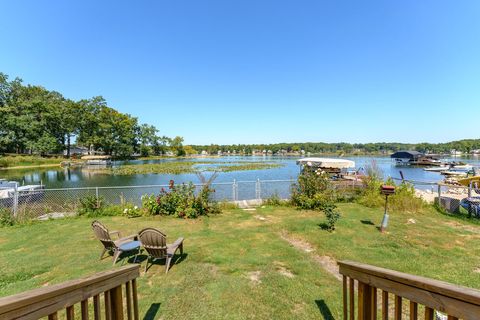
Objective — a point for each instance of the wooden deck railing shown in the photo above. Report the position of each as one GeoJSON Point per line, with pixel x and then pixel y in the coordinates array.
{"type": "Point", "coordinates": [59, 301]}
{"type": "Point", "coordinates": [423, 294]}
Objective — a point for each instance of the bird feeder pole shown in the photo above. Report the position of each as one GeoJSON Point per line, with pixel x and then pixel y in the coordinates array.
{"type": "Point", "coordinates": [386, 190]}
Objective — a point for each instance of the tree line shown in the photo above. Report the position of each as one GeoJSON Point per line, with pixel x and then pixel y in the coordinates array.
{"type": "Point", "coordinates": [35, 120]}
{"type": "Point", "coordinates": [466, 146]}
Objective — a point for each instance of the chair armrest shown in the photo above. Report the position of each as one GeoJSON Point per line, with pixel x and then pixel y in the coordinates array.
{"type": "Point", "coordinates": [130, 237]}
{"type": "Point", "coordinates": [176, 244]}
{"type": "Point", "coordinates": [115, 232]}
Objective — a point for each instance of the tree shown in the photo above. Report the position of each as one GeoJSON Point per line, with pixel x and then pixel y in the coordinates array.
{"type": "Point", "coordinates": [176, 144]}
{"type": "Point", "coordinates": [147, 136]}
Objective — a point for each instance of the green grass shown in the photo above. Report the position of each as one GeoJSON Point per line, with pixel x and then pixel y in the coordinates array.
{"type": "Point", "coordinates": [27, 161]}
{"type": "Point", "coordinates": [179, 167]}
{"type": "Point", "coordinates": [212, 282]}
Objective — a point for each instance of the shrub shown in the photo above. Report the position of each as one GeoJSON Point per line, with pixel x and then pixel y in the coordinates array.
{"type": "Point", "coordinates": [131, 210]}
{"type": "Point", "coordinates": [275, 200]}
{"type": "Point", "coordinates": [181, 201]}
{"type": "Point", "coordinates": [404, 198]}
{"type": "Point", "coordinates": [150, 205]}
{"type": "Point", "coordinates": [332, 216]}
{"type": "Point", "coordinates": [91, 205]}
{"type": "Point", "coordinates": [316, 192]}
{"type": "Point", "coordinates": [6, 218]}
{"type": "Point", "coordinates": [313, 191]}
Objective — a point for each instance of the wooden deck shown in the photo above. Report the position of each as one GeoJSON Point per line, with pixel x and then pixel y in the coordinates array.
{"type": "Point", "coordinates": [111, 293]}
{"type": "Point", "coordinates": [422, 294]}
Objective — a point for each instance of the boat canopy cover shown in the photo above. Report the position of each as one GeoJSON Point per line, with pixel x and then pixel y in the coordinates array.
{"type": "Point", "coordinates": [95, 157]}
{"type": "Point", "coordinates": [327, 163]}
{"type": "Point", "coordinates": [406, 155]}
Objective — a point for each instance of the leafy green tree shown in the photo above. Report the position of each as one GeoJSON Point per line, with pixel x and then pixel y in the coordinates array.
{"type": "Point", "coordinates": [176, 144]}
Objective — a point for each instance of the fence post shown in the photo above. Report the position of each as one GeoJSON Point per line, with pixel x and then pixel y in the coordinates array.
{"type": "Point", "coordinates": [258, 191]}
{"type": "Point", "coordinates": [96, 197]}
{"type": "Point", "coordinates": [15, 200]}
{"type": "Point", "coordinates": [234, 190]}
{"type": "Point", "coordinates": [439, 195]}
{"type": "Point", "coordinates": [470, 189]}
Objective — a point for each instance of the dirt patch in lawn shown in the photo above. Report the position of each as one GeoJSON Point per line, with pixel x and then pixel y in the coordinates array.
{"type": "Point", "coordinates": [327, 263]}
{"type": "Point", "coordinates": [461, 226]}
{"type": "Point", "coordinates": [281, 269]}
{"type": "Point", "coordinates": [254, 277]}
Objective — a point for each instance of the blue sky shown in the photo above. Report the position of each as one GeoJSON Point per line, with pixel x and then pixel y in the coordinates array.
{"type": "Point", "coordinates": [260, 71]}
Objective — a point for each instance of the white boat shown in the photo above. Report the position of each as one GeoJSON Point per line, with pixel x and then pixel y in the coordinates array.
{"type": "Point", "coordinates": [97, 161]}
{"type": "Point", "coordinates": [327, 163]}
{"type": "Point", "coordinates": [454, 173]}
{"type": "Point", "coordinates": [437, 169]}
{"type": "Point", "coordinates": [462, 167]}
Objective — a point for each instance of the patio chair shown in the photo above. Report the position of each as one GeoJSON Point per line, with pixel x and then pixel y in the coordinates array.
{"type": "Point", "coordinates": [155, 243]}
{"type": "Point", "coordinates": [115, 247]}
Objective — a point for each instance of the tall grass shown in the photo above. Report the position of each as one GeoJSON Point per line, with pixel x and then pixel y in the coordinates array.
{"type": "Point", "coordinates": [404, 198]}
{"type": "Point", "coordinates": [25, 160]}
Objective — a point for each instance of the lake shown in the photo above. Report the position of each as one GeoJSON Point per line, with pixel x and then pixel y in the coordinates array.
{"type": "Point", "coordinates": [77, 177]}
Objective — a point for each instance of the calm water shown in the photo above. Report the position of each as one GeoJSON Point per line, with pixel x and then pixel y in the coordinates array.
{"type": "Point", "coordinates": [64, 177]}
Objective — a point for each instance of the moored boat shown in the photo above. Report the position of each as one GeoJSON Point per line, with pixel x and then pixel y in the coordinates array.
{"type": "Point", "coordinates": [454, 173]}
{"type": "Point", "coordinates": [437, 169]}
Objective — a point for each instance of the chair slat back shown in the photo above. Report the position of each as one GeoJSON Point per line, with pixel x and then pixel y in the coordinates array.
{"type": "Point", "coordinates": [102, 234]}
{"type": "Point", "coordinates": [154, 241]}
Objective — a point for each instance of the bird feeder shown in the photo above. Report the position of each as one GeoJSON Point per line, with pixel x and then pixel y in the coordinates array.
{"type": "Point", "coordinates": [386, 191]}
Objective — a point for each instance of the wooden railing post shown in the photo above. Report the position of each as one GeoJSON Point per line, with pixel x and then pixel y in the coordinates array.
{"type": "Point", "coordinates": [351, 289]}
{"type": "Point", "coordinates": [117, 303]}
{"type": "Point", "coordinates": [364, 301]}
{"type": "Point", "coordinates": [345, 295]}
{"type": "Point", "coordinates": [74, 296]}
{"type": "Point", "coordinates": [455, 301]}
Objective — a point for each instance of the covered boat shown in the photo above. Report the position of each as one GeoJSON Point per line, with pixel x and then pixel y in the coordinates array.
{"type": "Point", "coordinates": [97, 160]}
{"type": "Point", "coordinates": [335, 167]}
{"type": "Point", "coordinates": [326, 163]}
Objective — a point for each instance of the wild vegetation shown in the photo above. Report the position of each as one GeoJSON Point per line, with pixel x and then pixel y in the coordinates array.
{"type": "Point", "coordinates": [28, 161]}
{"type": "Point", "coordinates": [404, 198]}
{"type": "Point", "coordinates": [314, 191]}
{"type": "Point", "coordinates": [180, 167]}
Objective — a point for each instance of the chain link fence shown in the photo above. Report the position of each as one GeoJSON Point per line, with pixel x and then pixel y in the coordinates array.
{"type": "Point", "coordinates": [455, 199]}
{"type": "Point", "coordinates": [38, 202]}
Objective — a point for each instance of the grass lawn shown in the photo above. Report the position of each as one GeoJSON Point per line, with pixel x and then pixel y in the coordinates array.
{"type": "Point", "coordinates": [239, 267]}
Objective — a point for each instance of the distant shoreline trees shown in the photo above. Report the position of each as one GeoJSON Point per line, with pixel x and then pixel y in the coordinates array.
{"type": "Point", "coordinates": [35, 120]}
{"type": "Point", "coordinates": [381, 148]}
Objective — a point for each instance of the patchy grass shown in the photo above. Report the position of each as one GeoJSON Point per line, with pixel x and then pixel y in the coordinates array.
{"type": "Point", "coordinates": [239, 267]}
{"type": "Point", "coordinates": [179, 167]}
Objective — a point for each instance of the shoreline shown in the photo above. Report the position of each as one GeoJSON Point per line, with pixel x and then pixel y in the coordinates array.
{"type": "Point", "coordinates": [32, 167]}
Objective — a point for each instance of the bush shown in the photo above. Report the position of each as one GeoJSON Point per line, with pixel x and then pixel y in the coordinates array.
{"type": "Point", "coordinates": [313, 191]}
{"type": "Point", "coordinates": [6, 218]}
{"type": "Point", "coordinates": [316, 192]}
{"type": "Point", "coordinates": [332, 216]}
{"type": "Point", "coordinates": [404, 198]}
{"type": "Point", "coordinates": [131, 210]}
{"type": "Point", "coordinates": [181, 201]}
{"type": "Point", "coordinates": [91, 205]}
{"type": "Point", "coordinates": [275, 201]}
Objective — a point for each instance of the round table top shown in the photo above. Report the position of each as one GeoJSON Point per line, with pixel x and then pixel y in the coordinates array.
{"type": "Point", "coordinates": [132, 245]}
